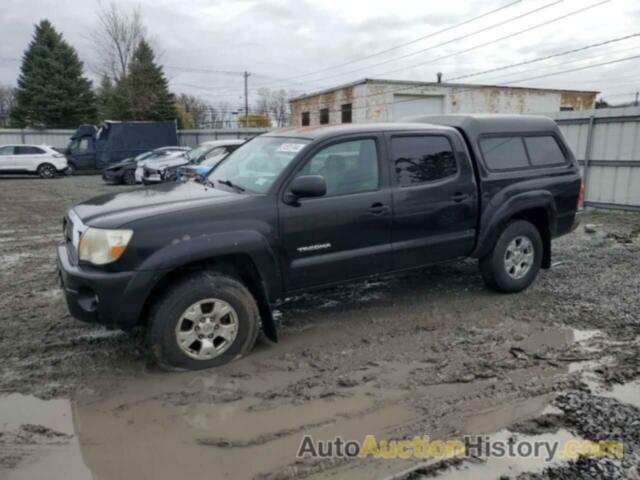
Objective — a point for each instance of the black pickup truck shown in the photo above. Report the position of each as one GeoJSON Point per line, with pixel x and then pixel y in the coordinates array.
{"type": "Point", "coordinates": [200, 263]}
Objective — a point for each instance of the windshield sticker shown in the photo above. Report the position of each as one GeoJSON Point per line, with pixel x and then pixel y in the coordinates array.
{"type": "Point", "coordinates": [291, 147]}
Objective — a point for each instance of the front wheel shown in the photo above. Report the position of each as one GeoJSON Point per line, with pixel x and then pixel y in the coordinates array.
{"type": "Point", "coordinates": [129, 177]}
{"type": "Point", "coordinates": [46, 171]}
{"type": "Point", "coordinates": [205, 320]}
{"type": "Point", "coordinates": [515, 260]}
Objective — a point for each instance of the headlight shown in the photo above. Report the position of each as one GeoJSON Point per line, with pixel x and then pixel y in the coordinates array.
{"type": "Point", "coordinates": [100, 246]}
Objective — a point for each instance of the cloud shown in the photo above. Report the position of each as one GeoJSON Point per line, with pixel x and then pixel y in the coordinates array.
{"type": "Point", "coordinates": [289, 38]}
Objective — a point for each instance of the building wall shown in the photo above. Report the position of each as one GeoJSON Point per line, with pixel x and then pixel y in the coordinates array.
{"type": "Point", "coordinates": [374, 102]}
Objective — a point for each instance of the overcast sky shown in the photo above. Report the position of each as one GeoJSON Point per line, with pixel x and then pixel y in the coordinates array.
{"type": "Point", "coordinates": [279, 39]}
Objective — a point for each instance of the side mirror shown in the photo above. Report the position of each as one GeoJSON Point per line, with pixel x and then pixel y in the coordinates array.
{"type": "Point", "coordinates": [308, 186]}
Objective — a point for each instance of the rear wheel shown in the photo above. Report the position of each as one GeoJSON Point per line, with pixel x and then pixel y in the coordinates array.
{"type": "Point", "coordinates": [515, 260]}
{"type": "Point", "coordinates": [46, 170]}
{"type": "Point", "coordinates": [204, 320]}
{"type": "Point", "coordinates": [71, 169]}
{"type": "Point", "coordinates": [129, 177]}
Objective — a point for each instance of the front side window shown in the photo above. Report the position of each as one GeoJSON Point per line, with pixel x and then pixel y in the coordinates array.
{"type": "Point", "coordinates": [422, 159]}
{"type": "Point", "coordinates": [257, 164]}
{"type": "Point", "coordinates": [80, 145]}
{"type": "Point", "coordinates": [504, 153]}
{"type": "Point", "coordinates": [6, 151]}
{"type": "Point", "coordinates": [347, 167]}
{"type": "Point", "coordinates": [544, 150]}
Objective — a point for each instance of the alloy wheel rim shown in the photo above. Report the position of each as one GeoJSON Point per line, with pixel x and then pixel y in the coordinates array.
{"type": "Point", "coordinates": [518, 257]}
{"type": "Point", "coordinates": [207, 329]}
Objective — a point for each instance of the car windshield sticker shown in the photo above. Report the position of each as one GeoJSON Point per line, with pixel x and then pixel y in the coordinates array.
{"type": "Point", "coordinates": [291, 147]}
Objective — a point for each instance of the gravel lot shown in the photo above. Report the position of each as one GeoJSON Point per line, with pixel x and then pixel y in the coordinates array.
{"type": "Point", "coordinates": [432, 352]}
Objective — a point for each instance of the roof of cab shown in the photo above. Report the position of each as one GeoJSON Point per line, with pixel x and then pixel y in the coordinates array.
{"type": "Point", "coordinates": [322, 131]}
{"type": "Point", "coordinates": [477, 124]}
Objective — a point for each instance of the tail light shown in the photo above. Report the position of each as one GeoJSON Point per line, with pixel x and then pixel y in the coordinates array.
{"type": "Point", "coordinates": [581, 197]}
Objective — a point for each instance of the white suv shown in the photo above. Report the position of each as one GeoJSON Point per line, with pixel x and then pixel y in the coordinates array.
{"type": "Point", "coordinates": [40, 159]}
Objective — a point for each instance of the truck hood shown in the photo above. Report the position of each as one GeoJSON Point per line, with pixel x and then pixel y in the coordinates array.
{"type": "Point", "coordinates": [114, 210]}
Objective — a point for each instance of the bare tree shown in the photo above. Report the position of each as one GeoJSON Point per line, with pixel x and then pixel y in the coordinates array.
{"type": "Point", "coordinates": [115, 38]}
{"type": "Point", "coordinates": [7, 102]}
{"type": "Point", "coordinates": [275, 104]}
{"type": "Point", "coordinates": [198, 108]}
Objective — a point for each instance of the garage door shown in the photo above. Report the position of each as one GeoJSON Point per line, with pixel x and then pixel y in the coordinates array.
{"type": "Point", "coordinates": [409, 105]}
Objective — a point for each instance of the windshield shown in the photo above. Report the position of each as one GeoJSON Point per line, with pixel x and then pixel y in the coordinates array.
{"type": "Point", "coordinates": [196, 152]}
{"type": "Point", "coordinates": [257, 164]}
{"type": "Point", "coordinates": [144, 155]}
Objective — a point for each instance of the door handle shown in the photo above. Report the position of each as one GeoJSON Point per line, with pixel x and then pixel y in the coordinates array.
{"type": "Point", "coordinates": [459, 196]}
{"type": "Point", "coordinates": [378, 209]}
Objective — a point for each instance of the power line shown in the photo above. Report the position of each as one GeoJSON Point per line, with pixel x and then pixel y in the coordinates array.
{"type": "Point", "coordinates": [401, 45]}
{"type": "Point", "coordinates": [602, 55]}
{"type": "Point", "coordinates": [505, 37]}
{"type": "Point", "coordinates": [441, 44]}
{"type": "Point", "coordinates": [547, 57]}
{"type": "Point", "coordinates": [619, 60]}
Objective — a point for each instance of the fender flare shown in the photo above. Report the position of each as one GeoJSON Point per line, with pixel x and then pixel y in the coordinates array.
{"type": "Point", "coordinates": [191, 250]}
{"type": "Point", "coordinates": [500, 210]}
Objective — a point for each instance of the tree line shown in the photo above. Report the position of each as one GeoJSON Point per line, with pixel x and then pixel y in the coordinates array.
{"type": "Point", "coordinates": [53, 90]}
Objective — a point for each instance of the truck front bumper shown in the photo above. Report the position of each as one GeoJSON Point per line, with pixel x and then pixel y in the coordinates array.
{"type": "Point", "coordinates": [110, 298]}
{"type": "Point", "coordinates": [112, 176]}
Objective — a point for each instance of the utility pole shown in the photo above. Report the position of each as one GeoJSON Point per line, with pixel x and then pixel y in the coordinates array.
{"type": "Point", "coordinates": [246, 100]}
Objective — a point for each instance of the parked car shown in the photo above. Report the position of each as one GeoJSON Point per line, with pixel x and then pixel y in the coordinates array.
{"type": "Point", "coordinates": [95, 147]}
{"type": "Point", "coordinates": [208, 161]}
{"type": "Point", "coordinates": [167, 169]}
{"type": "Point", "coordinates": [124, 171]}
{"type": "Point", "coordinates": [32, 159]}
{"type": "Point", "coordinates": [199, 264]}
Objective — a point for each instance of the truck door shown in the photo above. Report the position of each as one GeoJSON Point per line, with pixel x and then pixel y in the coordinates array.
{"type": "Point", "coordinates": [82, 153]}
{"type": "Point", "coordinates": [434, 198]}
{"type": "Point", "coordinates": [347, 232]}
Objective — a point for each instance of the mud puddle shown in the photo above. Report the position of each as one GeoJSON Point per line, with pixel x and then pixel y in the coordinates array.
{"type": "Point", "coordinates": [39, 436]}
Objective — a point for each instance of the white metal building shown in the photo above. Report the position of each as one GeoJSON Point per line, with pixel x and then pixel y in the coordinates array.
{"type": "Point", "coordinates": [375, 100]}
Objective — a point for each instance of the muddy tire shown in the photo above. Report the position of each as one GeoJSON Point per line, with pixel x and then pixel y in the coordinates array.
{"type": "Point", "coordinates": [129, 177]}
{"type": "Point", "coordinates": [204, 320]}
{"type": "Point", "coordinates": [515, 260]}
{"type": "Point", "coordinates": [46, 170]}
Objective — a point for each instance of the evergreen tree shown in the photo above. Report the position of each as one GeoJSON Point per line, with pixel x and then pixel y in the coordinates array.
{"type": "Point", "coordinates": [112, 105]}
{"type": "Point", "coordinates": [52, 91]}
{"type": "Point", "coordinates": [146, 88]}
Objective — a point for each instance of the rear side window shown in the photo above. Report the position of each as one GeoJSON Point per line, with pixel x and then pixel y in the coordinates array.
{"type": "Point", "coordinates": [6, 150]}
{"type": "Point", "coordinates": [544, 151]}
{"type": "Point", "coordinates": [421, 159]}
{"type": "Point", "coordinates": [504, 153]}
{"type": "Point", "coordinates": [26, 150]}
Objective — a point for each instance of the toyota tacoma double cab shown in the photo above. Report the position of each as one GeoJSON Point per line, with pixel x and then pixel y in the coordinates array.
{"type": "Point", "coordinates": [200, 263]}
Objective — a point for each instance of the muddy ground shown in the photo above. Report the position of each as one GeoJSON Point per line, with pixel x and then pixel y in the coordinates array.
{"type": "Point", "coordinates": [432, 352]}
